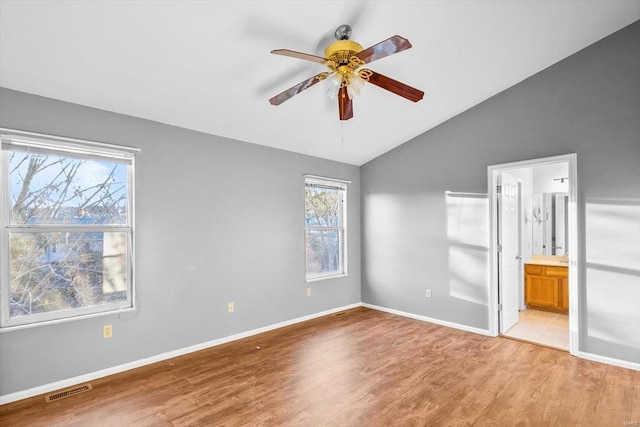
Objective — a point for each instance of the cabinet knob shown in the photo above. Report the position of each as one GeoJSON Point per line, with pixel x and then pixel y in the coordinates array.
{"type": "Point", "coordinates": [518, 257]}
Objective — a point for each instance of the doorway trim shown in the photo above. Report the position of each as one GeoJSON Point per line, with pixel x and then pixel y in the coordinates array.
{"type": "Point", "coordinates": [492, 178]}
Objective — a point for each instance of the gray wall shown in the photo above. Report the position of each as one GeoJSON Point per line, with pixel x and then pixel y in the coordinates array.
{"type": "Point", "coordinates": [217, 220]}
{"type": "Point", "coordinates": [415, 236]}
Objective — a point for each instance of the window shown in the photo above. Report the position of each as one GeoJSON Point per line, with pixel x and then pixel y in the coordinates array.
{"type": "Point", "coordinates": [325, 202]}
{"type": "Point", "coordinates": [67, 243]}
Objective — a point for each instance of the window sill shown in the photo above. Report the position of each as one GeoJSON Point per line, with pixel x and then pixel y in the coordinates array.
{"type": "Point", "coordinates": [333, 276]}
{"type": "Point", "coordinates": [118, 312]}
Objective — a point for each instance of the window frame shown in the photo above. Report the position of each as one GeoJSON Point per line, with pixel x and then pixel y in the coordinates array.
{"type": "Point", "coordinates": [11, 139]}
{"type": "Point", "coordinates": [337, 184]}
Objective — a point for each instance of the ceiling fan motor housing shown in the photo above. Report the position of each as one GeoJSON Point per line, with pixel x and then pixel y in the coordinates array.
{"type": "Point", "coordinates": [340, 56]}
{"type": "Point", "coordinates": [342, 48]}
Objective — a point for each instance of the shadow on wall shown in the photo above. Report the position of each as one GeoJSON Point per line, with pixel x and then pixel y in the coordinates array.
{"type": "Point", "coordinates": [612, 244]}
{"type": "Point", "coordinates": [468, 237]}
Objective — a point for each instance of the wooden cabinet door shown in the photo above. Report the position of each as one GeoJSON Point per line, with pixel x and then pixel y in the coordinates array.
{"type": "Point", "coordinates": [564, 294]}
{"type": "Point", "coordinates": [541, 291]}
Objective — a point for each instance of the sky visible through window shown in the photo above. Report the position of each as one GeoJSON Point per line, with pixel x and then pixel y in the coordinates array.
{"type": "Point", "coordinates": [53, 185]}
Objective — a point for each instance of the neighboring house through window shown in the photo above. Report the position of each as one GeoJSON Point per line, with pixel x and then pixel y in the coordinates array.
{"type": "Point", "coordinates": [67, 228]}
{"type": "Point", "coordinates": [325, 204]}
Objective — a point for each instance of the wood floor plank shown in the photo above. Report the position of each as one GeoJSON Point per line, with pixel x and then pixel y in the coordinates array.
{"type": "Point", "coordinates": [362, 368]}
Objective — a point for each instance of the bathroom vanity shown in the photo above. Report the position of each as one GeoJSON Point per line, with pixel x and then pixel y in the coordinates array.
{"type": "Point", "coordinates": [547, 283]}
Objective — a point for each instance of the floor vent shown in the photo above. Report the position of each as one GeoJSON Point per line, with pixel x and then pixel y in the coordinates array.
{"type": "Point", "coordinates": [342, 313]}
{"type": "Point", "coordinates": [68, 392]}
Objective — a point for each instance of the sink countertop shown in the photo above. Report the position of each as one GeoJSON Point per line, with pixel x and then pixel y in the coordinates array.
{"type": "Point", "coordinates": [545, 262]}
{"type": "Point", "coordinates": [550, 260]}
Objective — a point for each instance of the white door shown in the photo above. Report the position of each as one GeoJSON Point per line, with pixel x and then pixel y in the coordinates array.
{"type": "Point", "coordinates": [509, 256]}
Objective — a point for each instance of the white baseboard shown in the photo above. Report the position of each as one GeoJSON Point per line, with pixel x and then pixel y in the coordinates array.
{"type": "Point", "coordinates": [46, 388]}
{"type": "Point", "coordinates": [429, 319]}
{"type": "Point", "coordinates": [609, 360]}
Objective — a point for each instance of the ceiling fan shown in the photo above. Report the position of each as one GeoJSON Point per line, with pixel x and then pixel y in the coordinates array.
{"type": "Point", "coordinates": [346, 77]}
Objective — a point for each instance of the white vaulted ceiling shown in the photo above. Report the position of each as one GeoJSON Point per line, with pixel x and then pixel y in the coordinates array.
{"type": "Point", "coordinates": [206, 65]}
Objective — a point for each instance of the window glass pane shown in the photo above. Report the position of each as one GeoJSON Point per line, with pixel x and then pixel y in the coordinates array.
{"type": "Point", "coordinates": [54, 189]}
{"type": "Point", "coordinates": [323, 251]}
{"type": "Point", "coordinates": [59, 271]}
{"type": "Point", "coordinates": [322, 207]}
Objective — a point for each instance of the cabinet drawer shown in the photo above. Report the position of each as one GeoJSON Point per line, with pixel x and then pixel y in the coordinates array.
{"type": "Point", "coordinates": [557, 271]}
{"type": "Point", "coordinates": [534, 269]}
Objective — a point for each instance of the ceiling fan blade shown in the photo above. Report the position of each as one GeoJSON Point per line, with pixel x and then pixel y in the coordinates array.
{"type": "Point", "coordinates": [345, 105]}
{"type": "Point", "coordinates": [299, 55]}
{"type": "Point", "coordinates": [405, 91]}
{"type": "Point", "coordinates": [385, 48]}
{"type": "Point", "coordinates": [294, 90]}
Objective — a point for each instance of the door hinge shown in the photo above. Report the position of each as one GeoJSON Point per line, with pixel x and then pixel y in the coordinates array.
{"type": "Point", "coordinates": [499, 189]}
{"type": "Point", "coordinates": [499, 307]}
{"type": "Point", "coordinates": [499, 248]}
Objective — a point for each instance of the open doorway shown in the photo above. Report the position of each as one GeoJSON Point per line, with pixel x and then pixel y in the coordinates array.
{"type": "Point", "coordinates": [533, 251]}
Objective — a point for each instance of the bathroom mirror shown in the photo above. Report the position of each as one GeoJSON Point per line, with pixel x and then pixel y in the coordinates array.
{"type": "Point", "coordinates": [549, 223]}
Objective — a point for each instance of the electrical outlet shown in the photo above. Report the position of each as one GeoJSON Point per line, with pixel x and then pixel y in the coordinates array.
{"type": "Point", "coordinates": [308, 292]}
{"type": "Point", "coordinates": [230, 307]}
{"type": "Point", "coordinates": [428, 294]}
{"type": "Point", "coordinates": [107, 331]}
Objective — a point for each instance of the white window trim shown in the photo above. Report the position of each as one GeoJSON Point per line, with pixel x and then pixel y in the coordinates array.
{"type": "Point", "coordinates": [77, 147]}
{"type": "Point", "coordinates": [337, 184]}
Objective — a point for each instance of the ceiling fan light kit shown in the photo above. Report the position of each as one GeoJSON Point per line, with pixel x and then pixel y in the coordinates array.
{"type": "Point", "coordinates": [346, 77]}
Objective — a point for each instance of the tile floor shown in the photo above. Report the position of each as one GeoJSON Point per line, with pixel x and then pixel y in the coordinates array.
{"type": "Point", "coordinates": [542, 327]}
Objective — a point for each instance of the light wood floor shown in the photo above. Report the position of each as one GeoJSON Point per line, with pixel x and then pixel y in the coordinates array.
{"type": "Point", "coordinates": [362, 368]}
{"type": "Point", "coordinates": [542, 327]}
